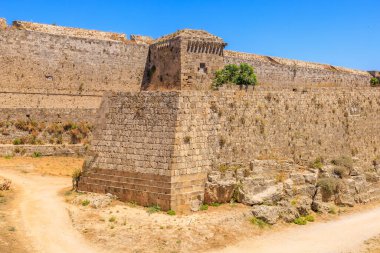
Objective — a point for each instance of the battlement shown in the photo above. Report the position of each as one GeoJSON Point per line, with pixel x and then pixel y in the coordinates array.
{"type": "Point", "coordinates": [68, 31]}
{"type": "Point", "coordinates": [292, 63]}
{"type": "Point", "coordinates": [198, 35]}
{"type": "Point", "coordinates": [141, 39]}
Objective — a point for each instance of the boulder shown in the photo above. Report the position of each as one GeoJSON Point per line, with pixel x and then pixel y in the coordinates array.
{"type": "Point", "coordinates": [219, 193]}
{"type": "Point", "coordinates": [343, 199]}
{"type": "Point", "coordinates": [288, 187]}
{"type": "Point", "coordinates": [195, 205]}
{"type": "Point", "coordinates": [345, 193]}
{"type": "Point", "coordinates": [298, 178]}
{"type": "Point", "coordinates": [219, 188]}
{"type": "Point", "coordinates": [288, 212]}
{"type": "Point", "coordinates": [303, 205]}
{"type": "Point", "coordinates": [269, 214]}
{"type": "Point", "coordinates": [320, 207]}
{"type": "Point", "coordinates": [377, 168]}
{"type": "Point", "coordinates": [304, 190]}
{"type": "Point", "coordinates": [311, 178]}
{"type": "Point", "coordinates": [354, 171]}
{"type": "Point", "coordinates": [269, 194]}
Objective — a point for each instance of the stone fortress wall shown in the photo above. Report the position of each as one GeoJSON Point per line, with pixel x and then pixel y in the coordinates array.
{"type": "Point", "coordinates": [165, 147]}
{"type": "Point", "coordinates": [40, 61]}
{"type": "Point", "coordinates": [284, 73]}
{"type": "Point", "coordinates": [63, 70]}
{"type": "Point", "coordinates": [73, 67]}
{"type": "Point", "coordinates": [185, 135]}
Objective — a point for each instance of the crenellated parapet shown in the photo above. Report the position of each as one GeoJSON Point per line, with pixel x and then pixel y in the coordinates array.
{"type": "Point", "coordinates": [286, 73]}
{"type": "Point", "coordinates": [68, 31]}
{"type": "Point", "coordinates": [186, 59]}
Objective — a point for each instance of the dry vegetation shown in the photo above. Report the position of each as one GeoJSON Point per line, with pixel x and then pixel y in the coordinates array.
{"type": "Point", "coordinates": [39, 133]}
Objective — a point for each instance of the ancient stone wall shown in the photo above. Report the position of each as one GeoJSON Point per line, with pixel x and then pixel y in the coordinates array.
{"type": "Point", "coordinates": [178, 137]}
{"type": "Point", "coordinates": [133, 146]}
{"type": "Point", "coordinates": [44, 110]}
{"type": "Point", "coordinates": [164, 68]}
{"type": "Point", "coordinates": [199, 61]}
{"type": "Point", "coordinates": [39, 62]}
{"type": "Point", "coordinates": [274, 71]}
{"type": "Point", "coordinates": [300, 125]}
{"type": "Point", "coordinates": [184, 60]}
{"type": "Point", "coordinates": [68, 31]}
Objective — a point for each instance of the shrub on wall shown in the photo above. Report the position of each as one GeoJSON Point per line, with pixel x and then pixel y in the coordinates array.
{"type": "Point", "coordinates": [375, 82]}
{"type": "Point", "coordinates": [240, 75]}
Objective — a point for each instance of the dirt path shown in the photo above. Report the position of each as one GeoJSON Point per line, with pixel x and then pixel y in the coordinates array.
{"type": "Point", "coordinates": [341, 236]}
{"type": "Point", "coordinates": [45, 221]}
{"type": "Point", "coordinates": [43, 214]}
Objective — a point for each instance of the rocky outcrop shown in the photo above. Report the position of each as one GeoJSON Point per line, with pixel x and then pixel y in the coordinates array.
{"type": "Point", "coordinates": [286, 190]}
{"type": "Point", "coordinates": [269, 214]}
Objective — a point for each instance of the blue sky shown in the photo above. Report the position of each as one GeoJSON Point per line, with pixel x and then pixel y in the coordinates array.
{"type": "Point", "coordinates": [339, 32]}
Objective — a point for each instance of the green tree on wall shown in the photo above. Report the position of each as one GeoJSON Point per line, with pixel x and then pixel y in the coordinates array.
{"type": "Point", "coordinates": [240, 75]}
{"type": "Point", "coordinates": [375, 82]}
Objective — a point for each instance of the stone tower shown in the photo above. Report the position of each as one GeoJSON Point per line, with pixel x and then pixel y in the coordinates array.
{"type": "Point", "coordinates": [184, 60]}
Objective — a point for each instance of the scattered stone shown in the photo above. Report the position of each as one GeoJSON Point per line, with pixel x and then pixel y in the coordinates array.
{"type": "Point", "coordinates": [354, 171]}
{"type": "Point", "coordinates": [270, 195]}
{"type": "Point", "coordinates": [303, 205]}
{"type": "Point", "coordinates": [220, 187]}
{"type": "Point", "coordinates": [342, 199]}
{"type": "Point", "coordinates": [195, 205]}
{"type": "Point", "coordinates": [288, 212]}
{"type": "Point", "coordinates": [219, 193]}
{"type": "Point", "coordinates": [94, 200]}
{"type": "Point", "coordinates": [269, 214]}
{"type": "Point", "coordinates": [298, 178]}
{"type": "Point", "coordinates": [320, 207]}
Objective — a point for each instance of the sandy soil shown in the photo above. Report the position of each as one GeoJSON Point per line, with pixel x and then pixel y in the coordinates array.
{"type": "Point", "coordinates": [45, 222]}
{"type": "Point", "coordinates": [43, 214]}
{"type": "Point", "coordinates": [11, 235]}
{"type": "Point", "coordinates": [372, 245]}
{"type": "Point", "coordinates": [123, 228]}
{"type": "Point", "coordinates": [346, 234]}
{"type": "Point", "coordinates": [46, 165]}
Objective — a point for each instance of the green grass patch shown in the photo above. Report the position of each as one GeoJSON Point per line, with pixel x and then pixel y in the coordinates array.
{"type": "Point", "coordinates": [154, 209]}
{"type": "Point", "coordinates": [332, 210]}
{"type": "Point", "coordinates": [259, 222]}
{"type": "Point", "coordinates": [85, 202]}
{"type": "Point", "coordinates": [203, 207]}
{"type": "Point", "coordinates": [300, 221]}
{"type": "Point", "coordinates": [171, 212]}
{"type": "Point", "coordinates": [36, 154]}
{"type": "Point", "coordinates": [309, 218]}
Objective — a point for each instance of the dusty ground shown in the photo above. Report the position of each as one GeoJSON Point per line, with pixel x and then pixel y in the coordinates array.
{"type": "Point", "coordinates": [372, 245]}
{"type": "Point", "coordinates": [43, 222]}
{"type": "Point", "coordinates": [46, 165]}
{"type": "Point", "coordinates": [127, 228]}
{"type": "Point", "coordinates": [11, 237]}
{"type": "Point", "coordinates": [343, 235]}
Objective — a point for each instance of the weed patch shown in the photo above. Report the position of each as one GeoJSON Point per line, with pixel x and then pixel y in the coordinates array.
{"type": "Point", "coordinates": [259, 222]}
